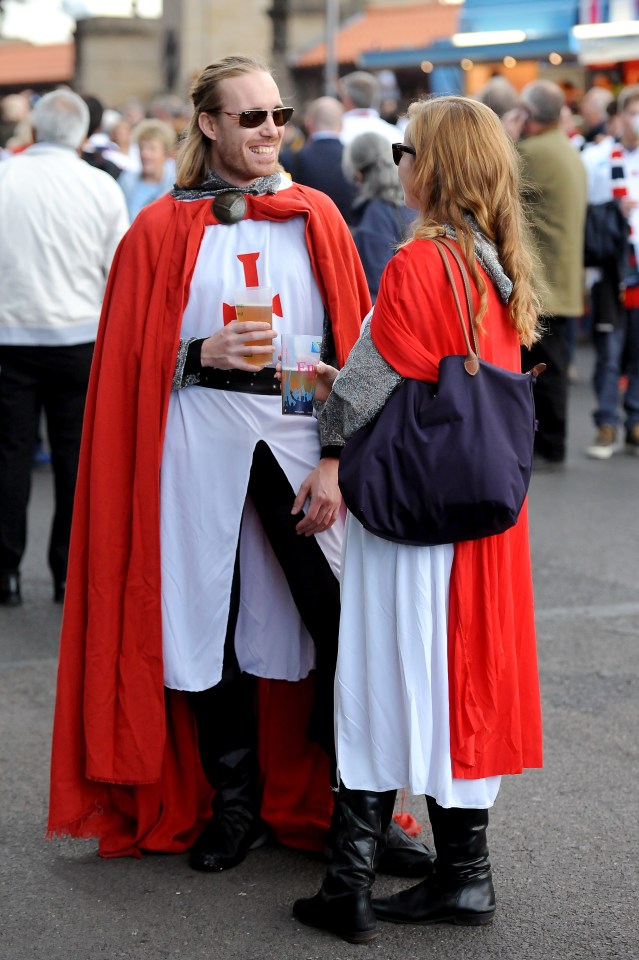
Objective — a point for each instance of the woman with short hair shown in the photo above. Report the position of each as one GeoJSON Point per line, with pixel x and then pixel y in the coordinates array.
{"type": "Point", "coordinates": [156, 142]}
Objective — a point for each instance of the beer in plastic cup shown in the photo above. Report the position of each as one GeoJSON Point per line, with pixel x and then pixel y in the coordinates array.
{"type": "Point", "coordinates": [255, 304]}
{"type": "Point", "coordinates": [300, 356]}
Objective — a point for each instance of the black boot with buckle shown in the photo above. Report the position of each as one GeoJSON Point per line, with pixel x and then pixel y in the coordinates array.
{"type": "Point", "coordinates": [343, 904]}
{"type": "Point", "coordinates": [461, 889]}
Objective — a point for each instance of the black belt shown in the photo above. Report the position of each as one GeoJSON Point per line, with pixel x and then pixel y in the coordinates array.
{"type": "Point", "coordinates": [262, 382]}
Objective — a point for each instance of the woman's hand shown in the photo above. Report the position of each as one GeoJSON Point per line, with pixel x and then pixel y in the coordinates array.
{"type": "Point", "coordinates": [325, 499]}
{"type": "Point", "coordinates": [227, 348]}
{"type": "Point", "coordinates": [325, 378]}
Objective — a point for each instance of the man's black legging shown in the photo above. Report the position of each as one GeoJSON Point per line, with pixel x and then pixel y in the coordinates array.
{"type": "Point", "coordinates": [225, 713]}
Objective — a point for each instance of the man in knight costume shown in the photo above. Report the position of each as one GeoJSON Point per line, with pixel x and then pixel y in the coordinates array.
{"type": "Point", "coordinates": [200, 631]}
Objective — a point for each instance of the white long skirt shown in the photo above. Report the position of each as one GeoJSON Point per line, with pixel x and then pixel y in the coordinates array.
{"type": "Point", "coordinates": [391, 689]}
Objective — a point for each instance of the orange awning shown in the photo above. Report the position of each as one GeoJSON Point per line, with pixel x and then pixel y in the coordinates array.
{"type": "Point", "coordinates": [386, 28]}
{"type": "Point", "coordinates": [27, 64]}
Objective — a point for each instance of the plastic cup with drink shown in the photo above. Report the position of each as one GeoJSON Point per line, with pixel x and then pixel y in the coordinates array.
{"type": "Point", "coordinates": [300, 356]}
{"type": "Point", "coordinates": [255, 304]}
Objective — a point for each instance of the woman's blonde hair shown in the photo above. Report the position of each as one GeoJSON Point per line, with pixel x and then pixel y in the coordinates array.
{"type": "Point", "coordinates": [193, 160]}
{"type": "Point", "coordinates": [465, 163]}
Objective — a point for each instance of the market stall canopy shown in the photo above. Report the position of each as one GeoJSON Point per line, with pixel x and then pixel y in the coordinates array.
{"type": "Point", "coordinates": [30, 65]}
{"type": "Point", "coordinates": [385, 29]}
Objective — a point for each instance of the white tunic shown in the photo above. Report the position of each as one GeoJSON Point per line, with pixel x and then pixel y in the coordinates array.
{"type": "Point", "coordinates": [391, 688]}
{"type": "Point", "coordinates": [208, 448]}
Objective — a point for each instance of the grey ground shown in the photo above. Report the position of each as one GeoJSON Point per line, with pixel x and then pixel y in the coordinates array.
{"type": "Point", "coordinates": [564, 840]}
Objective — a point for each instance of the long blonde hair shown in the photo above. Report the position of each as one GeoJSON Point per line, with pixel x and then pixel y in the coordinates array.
{"type": "Point", "coordinates": [193, 160]}
{"type": "Point", "coordinates": [465, 163]}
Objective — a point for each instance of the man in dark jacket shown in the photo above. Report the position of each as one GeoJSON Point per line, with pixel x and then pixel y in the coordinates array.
{"type": "Point", "coordinates": [319, 163]}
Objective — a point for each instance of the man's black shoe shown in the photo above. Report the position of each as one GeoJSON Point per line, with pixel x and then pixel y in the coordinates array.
{"type": "Point", "coordinates": [10, 595]}
{"type": "Point", "coordinates": [226, 841]}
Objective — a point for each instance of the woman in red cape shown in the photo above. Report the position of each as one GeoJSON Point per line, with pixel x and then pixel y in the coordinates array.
{"type": "Point", "coordinates": [437, 687]}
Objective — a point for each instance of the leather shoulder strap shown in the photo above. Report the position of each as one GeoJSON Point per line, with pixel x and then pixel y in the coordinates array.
{"type": "Point", "coordinates": [442, 243]}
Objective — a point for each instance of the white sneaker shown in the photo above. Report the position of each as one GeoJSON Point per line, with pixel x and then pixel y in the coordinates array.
{"type": "Point", "coordinates": [605, 443]}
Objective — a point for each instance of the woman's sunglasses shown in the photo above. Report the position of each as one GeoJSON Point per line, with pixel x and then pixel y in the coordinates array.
{"type": "Point", "coordinates": [399, 149]}
{"type": "Point", "coordinates": [255, 118]}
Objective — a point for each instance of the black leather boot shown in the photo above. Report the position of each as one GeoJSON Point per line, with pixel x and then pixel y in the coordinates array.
{"type": "Point", "coordinates": [226, 729]}
{"type": "Point", "coordinates": [461, 889]}
{"type": "Point", "coordinates": [343, 904]}
{"type": "Point", "coordinates": [236, 826]}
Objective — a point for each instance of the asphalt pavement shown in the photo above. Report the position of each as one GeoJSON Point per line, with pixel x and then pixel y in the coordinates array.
{"type": "Point", "coordinates": [564, 840]}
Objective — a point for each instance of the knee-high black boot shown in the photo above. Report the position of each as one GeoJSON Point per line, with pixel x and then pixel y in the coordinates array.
{"type": "Point", "coordinates": [461, 889]}
{"type": "Point", "coordinates": [343, 904]}
{"type": "Point", "coordinates": [226, 743]}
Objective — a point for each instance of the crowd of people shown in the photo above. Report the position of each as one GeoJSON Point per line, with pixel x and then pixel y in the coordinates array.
{"type": "Point", "coordinates": [220, 602]}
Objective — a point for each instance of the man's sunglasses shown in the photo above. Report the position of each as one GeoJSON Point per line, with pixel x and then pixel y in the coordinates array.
{"type": "Point", "coordinates": [399, 149]}
{"type": "Point", "coordinates": [255, 118]}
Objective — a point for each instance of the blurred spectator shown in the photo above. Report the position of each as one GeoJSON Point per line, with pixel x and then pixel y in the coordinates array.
{"type": "Point", "coordinates": [594, 113]}
{"type": "Point", "coordinates": [156, 142]}
{"type": "Point", "coordinates": [556, 201]}
{"type": "Point", "coordinates": [570, 124]}
{"type": "Point", "coordinates": [97, 142]}
{"type": "Point", "coordinates": [498, 94]}
{"type": "Point", "coordinates": [61, 222]}
{"type": "Point", "coordinates": [613, 183]}
{"type": "Point", "coordinates": [133, 111]}
{"type": "Point", "coordinates": [360, 93]}
{"type": "Point", "coordinates": [117, 132]}
{"type": "Point", "coordinates": [293, 140]}
{"type": "Point", "coordinates": [172, 110]}
{"type": "Point", "coordinates": [319, 163]}
{"type": "Point", "coordinates": [380, 217]}
{"type": "Point", "coordinates": [14, 110]}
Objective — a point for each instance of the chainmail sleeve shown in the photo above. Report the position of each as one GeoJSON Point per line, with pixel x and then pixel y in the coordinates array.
{"type": "Point", "coordinates": [359, 392]}
{"type": "Point", "coordinates": [187, 364]}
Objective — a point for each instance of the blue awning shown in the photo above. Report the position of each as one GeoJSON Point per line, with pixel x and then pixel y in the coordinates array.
{"type": "Point", "coordinates": [538, 18]}
{"type": "Point", "coordinates": [444, 52]}
{"type": "Point", "coordinates": [547, 25]}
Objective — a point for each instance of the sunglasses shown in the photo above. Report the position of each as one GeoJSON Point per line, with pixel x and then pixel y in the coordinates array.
{"type": "Point", "coordinates": [399, 149]}
{"type": "Point", "coordinates": [255, 118]}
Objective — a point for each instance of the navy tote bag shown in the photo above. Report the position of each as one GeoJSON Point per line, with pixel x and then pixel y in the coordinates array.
{"type": "Point", "coordinates": [446, 461]}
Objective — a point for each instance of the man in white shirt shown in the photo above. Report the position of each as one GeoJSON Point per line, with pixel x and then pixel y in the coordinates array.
{"type": "Point", "coordinates": [360, 93]}
{"type": "Point", "coordinates": [613, 179]}
{"type": "Point", "coordinates": [60, 223]}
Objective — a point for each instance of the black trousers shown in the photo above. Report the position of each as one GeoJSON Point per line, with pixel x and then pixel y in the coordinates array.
{"type": "Point", "coordinates": [551, 389]}
{"type": "Point", "coordinates": [32, 379]}
{"type": "Point", "coordinates": [221, 712]}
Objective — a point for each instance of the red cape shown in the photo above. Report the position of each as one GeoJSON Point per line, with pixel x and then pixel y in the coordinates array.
{"type": "Point", "coordinates": [125, 766]}
{"type": "Point", "coordinates": [495, 712]}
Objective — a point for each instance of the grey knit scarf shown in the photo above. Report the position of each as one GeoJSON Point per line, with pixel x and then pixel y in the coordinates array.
{"type": "Point", "coordinates": [213, 186]}
{"type": "Point", "coordinates": [486, 253]}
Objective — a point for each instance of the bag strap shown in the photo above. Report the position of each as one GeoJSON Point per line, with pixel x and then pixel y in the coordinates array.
{"type": "Point", "coordinates": [472, 358]}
